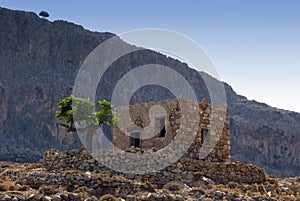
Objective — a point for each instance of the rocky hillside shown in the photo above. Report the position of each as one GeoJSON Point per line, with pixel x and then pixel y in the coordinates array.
{"type": "Point", "coordinates": [35, 181]}
{"type": "Point", "coordinates": [39, 63]}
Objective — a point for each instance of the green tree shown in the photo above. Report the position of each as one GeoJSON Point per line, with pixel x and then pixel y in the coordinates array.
{"type": "Point", "coordinates": [44, 14]}
{"type": "Point", "coordinates": [83, 109]}
{"type": "Point", "coordinates": [106, 114]}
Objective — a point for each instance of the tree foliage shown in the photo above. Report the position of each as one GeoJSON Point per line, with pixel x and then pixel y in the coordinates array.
{"type": "Point", "coordinates": [106, 113]}
{"type": "Point", "coordinates": [44, 14]}
{"type": "Point", "coordinates": [83, 110]}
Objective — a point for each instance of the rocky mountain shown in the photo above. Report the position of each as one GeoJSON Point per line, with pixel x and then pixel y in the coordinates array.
{"type": "Point", "coordinates": [39, 63]}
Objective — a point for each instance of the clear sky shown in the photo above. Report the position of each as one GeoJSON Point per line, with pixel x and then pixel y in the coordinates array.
{"type": "Point", "coordinates": [255, 44]}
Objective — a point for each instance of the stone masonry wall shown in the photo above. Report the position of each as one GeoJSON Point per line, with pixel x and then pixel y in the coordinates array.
{"type": "Point", "coordinates": [212, 119]}
{"type": "Point", "coordinates": [140, 115]}
{"type": "Point", "coordinates": [185, 170]}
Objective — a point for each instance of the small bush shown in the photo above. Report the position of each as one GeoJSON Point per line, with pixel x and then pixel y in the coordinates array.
{"type": "Point", "coordinates": [83, 191]}
{"type": "Point", "coordinates": [70, 187]}
{"type": "Point", "coordinates": [173, 186]}
{"type": "Point", "coordinates": [100, 176]}
{"type": "Point", "coordinates": [274, 194]}
{"type": "Point", "coordinates": [296, 189]}
{"type": "Point", "coordinates": [7, 179]}
{"type": "Point", "coordinates": [269, 187]}
{"type": "Point", "coordinates": [255, 188]}
{"type": "Point", "coordinates": [272, 180]}
{"type": "Point", "coordinates": [149, 186]}
{"type": "Point", "coordinates": [44, 14]}
{"type": "Point", "coordinates": [199, 190]}
{"type": "Point", "coordinates": [232, 185]}
{"type": "Point", "coordinates": [3, 187]}
{"type": "Point", "coordinates": [47, 190]}
{"type": "Point", "coordinates": [108, 197]}
{"type": "Point", "coordinates": [218, 187]}
{"type": "Point", "coordinates": [24, 188]}
{"type": "Point", "coordinates": [8, 186]}
{"type": "Point", "coordinates": [287, 197]}
{"type": "Point", "coordinates": [223, 188]}
{"type": "Point", "coordinates": [73, 172]}
{"type": "Point", "coordinates": [120, 178]}
{"type": "Point", "coordinates": [253, 194]}
{"type": "Point", "coordinates": [32, 166]}
{"type": "Point", "coordinates": [198, 175]}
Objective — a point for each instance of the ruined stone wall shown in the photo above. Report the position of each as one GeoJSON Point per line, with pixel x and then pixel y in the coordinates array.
{"type": "Point", "coordinates": [213, 119]}
{"type": "Point", "coordinates": [216, 120]}
{"type": "Point", "coordinates": [140, 116]}
{"type": "Point", "coordinates": [185, 170]}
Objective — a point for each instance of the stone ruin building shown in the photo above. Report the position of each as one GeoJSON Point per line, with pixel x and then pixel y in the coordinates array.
{"type": "Point", "coordinates": [166, 127]}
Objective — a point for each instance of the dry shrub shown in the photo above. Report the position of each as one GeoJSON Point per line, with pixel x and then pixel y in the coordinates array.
{"type": "Point", "coordinates": [198, 175]}
{"type": "Point", "coordinates": [70, 187]}
{"type": "Point", "coordinates": [8, 186]}
{"type": "Point", "coordinates": [199, 190]}
{"type": "Point", "coordinates": [173, 186]}
{"type": "Point", "coordinates": [166, 191]}
{"type": "Point", "coordinates": [137, 181]}
{"type": "Point", "coordinates": [184, 194]}
{"type": "Point", "coordinates": [120, 178]}
{"type": "Point", "coordinates": [255, 187]}
{"type": "Point", "coordinates": [24, 188]}
{"type": "Point", "coordinates": [252, 194]}
{"type": "Point", "coordinates": [100, 176]}
{"type": "Point", "coordinates": [6, 179]}
{"type": "Point", "coordinates": [296, 189]}
{"type": "Point", "coordinates": [274, 194]}
{"type": "Point", "coordinates": [83, 191]}
{"type": "Point", "coordinates": [47, 190]}
{"type": "Point", "coordinates": [220, 187]}
{"type": "Point", "coordinates": [73, 172]}
{"type": "Point", "coordinates": [270, 186]}
{"type": "Point", "coordinates": [207, 199]}
{"type": "Point", "coordinates": [271, 180]}
{"type": "Point", "coordinates": [223, 188]}
{"type": "Point", "coordinates": [32, 166]}
{"type": "Point", "coordinates": [288, 197]}
{"type": "Point", "coordinates": [61, 188]}
{"type": "Point", "coordinates": [232, 185]}
{"type": "Point", "coordinates": [108, 197]}
{"type": "Point", "coordinates": [147, 185]}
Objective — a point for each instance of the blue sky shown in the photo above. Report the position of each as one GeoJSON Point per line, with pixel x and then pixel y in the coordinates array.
{"type": "Point", "coordinates": [255, 44]}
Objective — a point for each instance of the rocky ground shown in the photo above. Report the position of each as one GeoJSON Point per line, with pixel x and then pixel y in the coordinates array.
{"type": "Point", "coordinates": [33, 182]}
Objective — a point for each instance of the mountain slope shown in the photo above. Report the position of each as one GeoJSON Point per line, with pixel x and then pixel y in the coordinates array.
{"type": "Point", "coordinates": [39, 63]}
